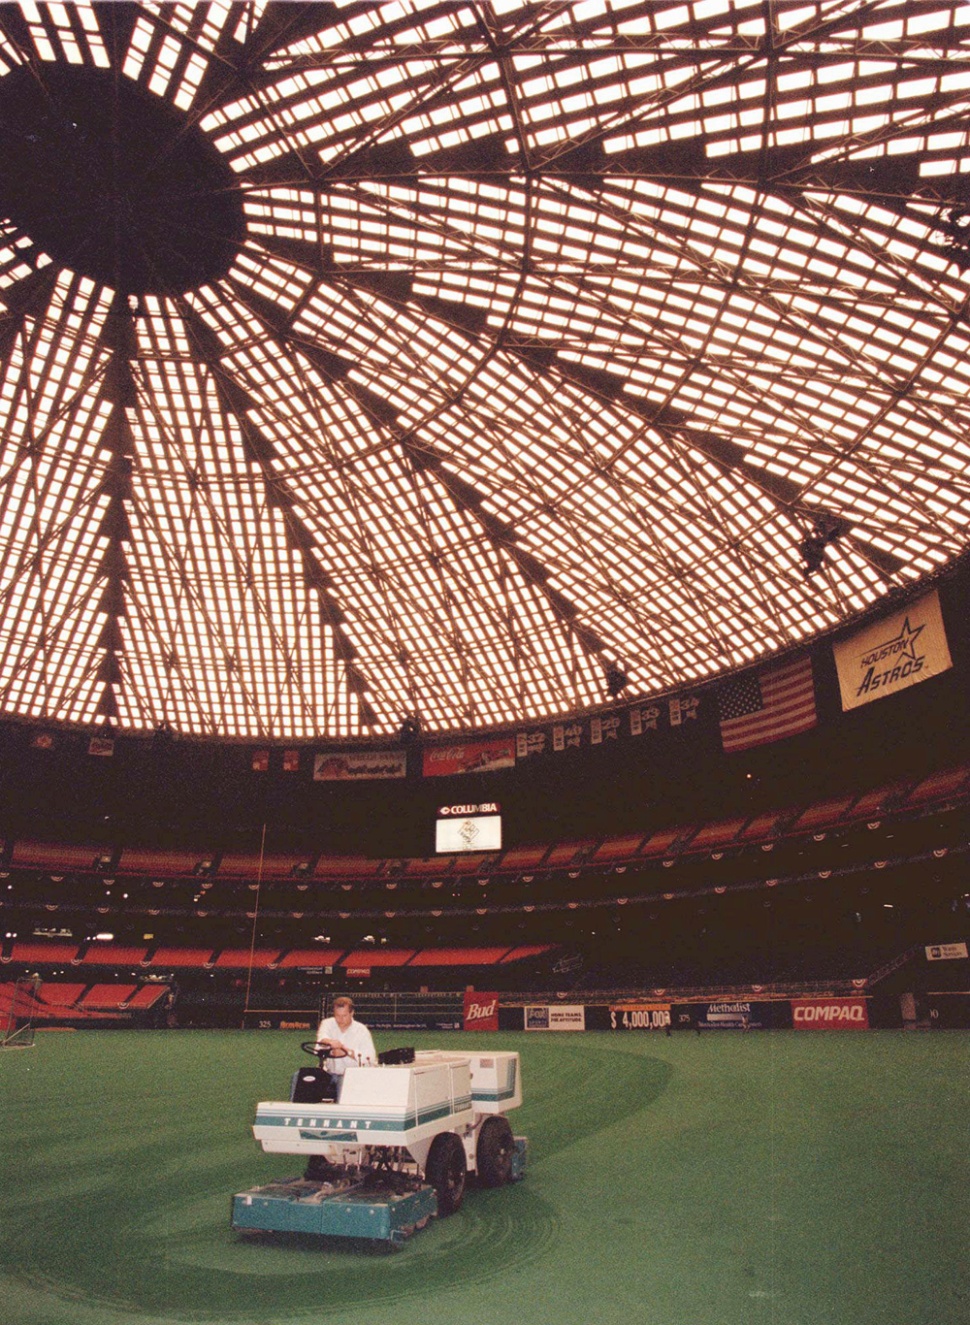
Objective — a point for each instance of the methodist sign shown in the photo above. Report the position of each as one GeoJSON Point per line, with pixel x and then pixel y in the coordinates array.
{"type": "Point", "coordinates": [892, 654]}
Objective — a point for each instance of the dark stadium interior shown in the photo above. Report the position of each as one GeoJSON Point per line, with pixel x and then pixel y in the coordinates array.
{"type": "Point", "coordinates": [659, 863]}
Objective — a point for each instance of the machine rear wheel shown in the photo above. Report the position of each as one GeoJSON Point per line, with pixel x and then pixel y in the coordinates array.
{"type": "Point", "coordinates": [445, 1171]}
{"type": "Point", "coordinates": [494, 1152]}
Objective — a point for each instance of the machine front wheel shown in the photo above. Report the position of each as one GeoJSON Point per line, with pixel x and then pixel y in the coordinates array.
{"type": "Point", "coordinates": [445, 1171]}
{"type": "Point", "coordinates": [494, 1152]}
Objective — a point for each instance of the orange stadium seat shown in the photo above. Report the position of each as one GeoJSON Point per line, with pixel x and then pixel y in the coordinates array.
{"type": "Point", "coordinates": [617, 848]}
{"type": "Point", "coordinates": [249, 866]}
{"type": "Point", "coordinates": [44, 953]}
{"type": "Point", "coordinates": [346, 867]}
{"type": "Point", "coordinates": [362, 957]}
{"type": "Point", "coordinates": [939, 786]}
{"type": "Point", "coordinates": [872, 803]}
{"type": "Point", "coordinates": [310, 957]}
{"type": "Point", "coordinates": [244, 957]}
{"type": "Point", "coordinates": [54, 856]}
{"type": "Point", "coordinates": [720, 833]}
{"type": "Point", "coordinates": [822, 814]}
{"type": "Point", "coordinates": [134, 861]}
{"type": "Point", "coordinates": [104, 996]}
{"type": "Point", "coordinates": [181, 957]}
{"type": "Point", "coordinates": [458, 956]}
{"type": "Point", "coordinates": [519, 859]}
{"type": "Point", "coordinates": [662, 842]}
{"type": "Point", "coordinates": [113, 954]}
{"type": "Point", "coordinates": [766, 825]}
{"type": "Point", "coordinates": [527, 950]}
{"type": "Point", "coordinates": [564, 854]}
{"type": "Point", "coordinates": [147, 996]}
{"type": "Point", "coordinates": [60, 994]}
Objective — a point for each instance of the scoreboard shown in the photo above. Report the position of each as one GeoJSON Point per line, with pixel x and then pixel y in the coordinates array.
{"type": "Point", "coordinates": [468, 828]}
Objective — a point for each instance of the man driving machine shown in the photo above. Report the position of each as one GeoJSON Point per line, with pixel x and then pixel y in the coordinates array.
{"type": "Point", "coordinates": [349, 1040]}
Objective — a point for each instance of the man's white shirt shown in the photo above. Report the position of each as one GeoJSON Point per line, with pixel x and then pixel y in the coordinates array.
{"type": "Point", "coordinates": [356, 1038]}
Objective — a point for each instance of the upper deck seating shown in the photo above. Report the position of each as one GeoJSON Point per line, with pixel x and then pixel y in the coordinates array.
{"type": "Point", "coordinates": [458, 956]}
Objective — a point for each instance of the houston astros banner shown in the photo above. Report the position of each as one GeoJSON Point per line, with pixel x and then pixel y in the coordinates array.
{"type": "Point", "coordinates": [892, 654]}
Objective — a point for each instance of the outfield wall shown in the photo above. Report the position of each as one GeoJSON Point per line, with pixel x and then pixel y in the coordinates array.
{"type": "Point", "coordinates": [631, 1016]}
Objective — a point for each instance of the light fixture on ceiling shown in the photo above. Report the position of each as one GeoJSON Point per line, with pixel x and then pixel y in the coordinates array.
{"type": "Point", "coordinates": [410, 729]}
{"type": "Point", "coordinates": [616, 679]}
{"type": "Point", "coordinates": [825, 529]}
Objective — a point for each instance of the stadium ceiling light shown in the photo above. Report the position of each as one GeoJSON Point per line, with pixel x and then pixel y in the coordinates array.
{"type": "Point", "coordinates": [411, 358]}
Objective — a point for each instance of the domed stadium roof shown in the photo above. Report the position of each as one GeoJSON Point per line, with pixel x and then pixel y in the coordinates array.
{"type": "Point", "coordinates": [471, 362]}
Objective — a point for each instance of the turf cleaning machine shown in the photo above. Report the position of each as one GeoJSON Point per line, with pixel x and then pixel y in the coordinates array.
{"type": "Point", "coordinates": [393, 1149]}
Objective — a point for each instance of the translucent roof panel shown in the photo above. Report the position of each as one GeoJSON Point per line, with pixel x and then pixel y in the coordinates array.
{"type": "Point", "coordinates": [362, 361]}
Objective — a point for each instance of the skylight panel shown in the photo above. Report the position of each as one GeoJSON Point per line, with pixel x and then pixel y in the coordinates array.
{"type": "Point", "coordinates": [620, 368]}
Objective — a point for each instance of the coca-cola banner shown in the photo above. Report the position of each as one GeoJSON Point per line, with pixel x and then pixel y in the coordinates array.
{"type": "Point", "coordinates": [481, 1011]}
{"type": "Point", "coordinates": [469, 757]}
{"type": "Point", "coordinates": [830, 1014]}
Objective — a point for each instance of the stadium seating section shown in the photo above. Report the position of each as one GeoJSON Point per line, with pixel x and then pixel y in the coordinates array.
{"type": "Point", "coordinates": [198, 909]}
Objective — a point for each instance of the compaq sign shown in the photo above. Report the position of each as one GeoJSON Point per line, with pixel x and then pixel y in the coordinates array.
{"type": "Point", "coordinates": [830, 1014]}
{"type": "Point", "coordinates": [481, 1011]}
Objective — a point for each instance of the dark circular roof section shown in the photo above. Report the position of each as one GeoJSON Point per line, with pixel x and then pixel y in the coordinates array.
{"type": "Point", "coordinates": [467, 366]}
{"type": "Point", "coordinates": [114, 182]}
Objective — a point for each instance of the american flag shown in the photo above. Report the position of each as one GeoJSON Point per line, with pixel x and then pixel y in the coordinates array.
{"type": "Point", "coordinates": [759, 708]}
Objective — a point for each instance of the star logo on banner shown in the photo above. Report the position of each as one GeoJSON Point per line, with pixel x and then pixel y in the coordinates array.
{"type": "Point", "coordinates": [906, 639]}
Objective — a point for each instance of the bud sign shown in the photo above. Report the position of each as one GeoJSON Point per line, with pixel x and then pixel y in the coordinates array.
{"type": "Point", "coordinates": [481, 1011]}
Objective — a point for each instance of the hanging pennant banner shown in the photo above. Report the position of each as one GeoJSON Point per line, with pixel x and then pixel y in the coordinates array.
{"type": "Point", "coordinates": [893, 654]}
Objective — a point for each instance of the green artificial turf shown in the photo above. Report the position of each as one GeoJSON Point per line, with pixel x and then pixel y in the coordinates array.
{"type": "Point", "coordinates": [791, 1178]}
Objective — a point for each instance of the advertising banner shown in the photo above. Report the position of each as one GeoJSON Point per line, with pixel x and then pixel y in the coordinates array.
{"type": "Point", "coordinates": [830, 1014]}
{"type": "Point", "coordinates": [949, 1012]}
{"type": "Point", "coordinates": [640, 1017]}
{"type": "Point", "coordinates": [734, 1014]}
{"type": "Point", "coordinates": [555, 1018]}
{"type": "Point", "coordinates": [481, 1011]}
{"type": "Point", "coordinates": [944, 952]}
{"type": "Point", "coordinates": [897, 652]}
{"type": "Point", "coordinates": [469, 757]}
{"type": "Point", "coordinates": [363, 764]}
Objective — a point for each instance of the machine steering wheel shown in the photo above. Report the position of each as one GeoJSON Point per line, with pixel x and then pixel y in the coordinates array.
{"type": "Point", "coordinates": [313, 1049]}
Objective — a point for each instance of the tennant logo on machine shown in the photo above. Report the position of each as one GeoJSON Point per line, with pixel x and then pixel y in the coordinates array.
{"type": "Point", "coordinates": [830, 1014]}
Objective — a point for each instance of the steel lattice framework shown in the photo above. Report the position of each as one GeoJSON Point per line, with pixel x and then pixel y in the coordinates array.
{"type": "Point", "coordinates": [366, 360]}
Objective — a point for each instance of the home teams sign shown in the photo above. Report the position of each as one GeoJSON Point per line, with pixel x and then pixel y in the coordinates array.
{"type": "Point", "coordinates": [892, 654]}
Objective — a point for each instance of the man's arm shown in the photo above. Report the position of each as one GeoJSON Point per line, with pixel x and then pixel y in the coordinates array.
{"type": "Point", "coordinates": [367, 1052]}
